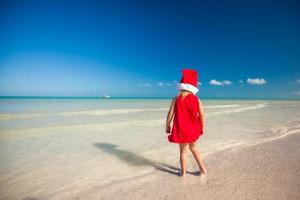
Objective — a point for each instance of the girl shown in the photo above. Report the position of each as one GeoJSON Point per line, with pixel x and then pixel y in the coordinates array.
{"type": "Point", "coordinates": [188, 119]}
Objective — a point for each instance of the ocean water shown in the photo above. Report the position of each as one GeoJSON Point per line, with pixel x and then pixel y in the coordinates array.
{"type": "Point", "coordinates": [57, 148]}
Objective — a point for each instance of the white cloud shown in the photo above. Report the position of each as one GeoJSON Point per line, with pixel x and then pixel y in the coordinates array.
{"type": "Point", "coordinates": [215, 82]}
{"type": "Point", "coordinates": [298, 81]}
{"type": "Point", "coordinates": [161, 84]}
{"type": "Point", "coordinates": [296, 93]}
{"type": "Point", "coordinates": [227, 82]}
{"type": "Point", "coordinates": [220, 83]}
{"type": "Point", "coordinates": [145, 85]}
{"type": "Point", "coordinates": [256, 81]}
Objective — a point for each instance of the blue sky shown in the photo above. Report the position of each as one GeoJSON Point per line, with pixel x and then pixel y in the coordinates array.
{"type": "Point", "coordinates": [241, 49]}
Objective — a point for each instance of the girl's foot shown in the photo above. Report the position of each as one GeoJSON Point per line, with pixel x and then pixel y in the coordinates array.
{"type": "Point", "coordinates": [203, 179]}
{"type": "Point", "coordinates": [203, 171]}
{"type": "Point", "coordinates": [183, 174]}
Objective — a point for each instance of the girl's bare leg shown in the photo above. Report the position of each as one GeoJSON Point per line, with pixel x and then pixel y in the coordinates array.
{"type": "Point", "coordinates": [183, 151]}
{"type": "Point", "coordinates": [197, 156]}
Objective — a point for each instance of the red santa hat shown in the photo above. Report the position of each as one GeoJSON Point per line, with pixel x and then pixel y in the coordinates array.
{"type": "Point", "coordinates": [189, 81]}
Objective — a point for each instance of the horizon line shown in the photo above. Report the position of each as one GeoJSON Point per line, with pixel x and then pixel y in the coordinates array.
{"type": "Point", "coordinates": [143, 97]}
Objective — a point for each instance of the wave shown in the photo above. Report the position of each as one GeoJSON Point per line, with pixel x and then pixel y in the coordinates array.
{"type": "Point", "coordinates": [258, 106]}
{"type": "Point", "coordinates": [286, 131]}
{"type": "Point", "coordinates": [111, 111]}
{"type": "Point", "coordinates": [222, 106]}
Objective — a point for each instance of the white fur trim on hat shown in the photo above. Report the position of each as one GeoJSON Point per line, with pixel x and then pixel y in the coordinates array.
{"type": "Point", "coordinates": [188, 87]}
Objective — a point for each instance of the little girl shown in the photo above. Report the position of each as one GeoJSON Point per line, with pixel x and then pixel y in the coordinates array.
{"type": "Point", "coordinates": [188, 119]}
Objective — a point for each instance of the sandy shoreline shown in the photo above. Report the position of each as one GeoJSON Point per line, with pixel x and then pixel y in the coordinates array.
{"type": "Point", "coordinates": [269, 170]}
{"type": "Point", "coordinates": [95, 155]}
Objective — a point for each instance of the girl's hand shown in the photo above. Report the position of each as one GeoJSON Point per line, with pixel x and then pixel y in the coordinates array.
{"type": "Point", "coordinates": [170, 116]}
{"type": "Point", "coordinates": [168, 129]}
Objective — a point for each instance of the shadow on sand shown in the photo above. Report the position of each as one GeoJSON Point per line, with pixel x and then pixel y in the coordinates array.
{"type": "Point", "coordinates": [134, 159]}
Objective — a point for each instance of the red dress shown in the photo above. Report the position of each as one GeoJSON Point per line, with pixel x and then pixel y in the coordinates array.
{"type": "Point", "coordinates": [187, 126]}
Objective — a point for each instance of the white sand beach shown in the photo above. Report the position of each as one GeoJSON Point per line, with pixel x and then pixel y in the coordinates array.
{"type": "Point", "coordinates": [117, 149]}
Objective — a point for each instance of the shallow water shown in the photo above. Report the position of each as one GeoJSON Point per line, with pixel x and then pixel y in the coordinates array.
{"type": "Point", "coordinates": [53, 148]}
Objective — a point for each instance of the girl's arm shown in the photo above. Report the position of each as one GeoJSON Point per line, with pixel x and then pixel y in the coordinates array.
{"type": "Point", "coordinates": [170, 116]}
{"type": "Point", "coordinates": [201, 115]}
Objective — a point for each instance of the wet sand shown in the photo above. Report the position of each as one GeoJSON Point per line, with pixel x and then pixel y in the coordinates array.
{"type": "Point", "coordinates": [269, 170]}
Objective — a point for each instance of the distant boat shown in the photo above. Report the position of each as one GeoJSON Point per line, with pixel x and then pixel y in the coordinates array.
{"type": "Point", "coordinates": [106, 96]}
